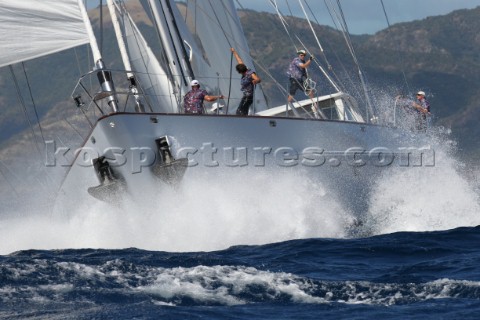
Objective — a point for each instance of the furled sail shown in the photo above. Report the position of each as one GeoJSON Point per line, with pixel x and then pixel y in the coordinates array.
{"type": "Point", "coordinates": [152, 77]}
{"type": "Point", "coordinates": [32, 28]}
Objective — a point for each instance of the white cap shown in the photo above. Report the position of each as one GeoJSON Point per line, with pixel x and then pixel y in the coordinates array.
{"type": "Point", "coordinates": [301, 52]}
{"type": "Point", "coordinates": [194, 83]}
{"type": "Point", "coordinates": [421, 93]}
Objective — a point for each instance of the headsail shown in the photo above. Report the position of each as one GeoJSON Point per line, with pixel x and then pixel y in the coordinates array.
{"type": "Point", "coordinates": [153, 78]}
{"type": "Point", "coordinates": [195, 48]}
{"type": "Point", "coordinates": [216, 27]}
{"type": "Point", "coordinates": [31, 28]}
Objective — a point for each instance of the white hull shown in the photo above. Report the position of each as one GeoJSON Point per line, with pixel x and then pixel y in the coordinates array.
{"type": "Point", "coordinates": [236, 146]}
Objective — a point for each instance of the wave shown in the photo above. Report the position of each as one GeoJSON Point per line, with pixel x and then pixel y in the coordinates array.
{"type": "Point", "coordinates": [398, 269]}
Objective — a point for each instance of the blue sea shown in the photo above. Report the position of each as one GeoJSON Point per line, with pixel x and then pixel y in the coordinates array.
{"type": "Point", "coordinates": [403, 275]}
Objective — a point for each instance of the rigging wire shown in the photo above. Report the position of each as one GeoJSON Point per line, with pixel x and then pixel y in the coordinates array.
{"type": "Point", "coordinates": [296, 49]}
{"type": "Point", "coordinates": [289, 9]}
{"type": "Point", "coordinates": [33, 102]}
{"type": "Point", "coordinates": [138, 40]}
{"type": "Point", "coordinates": [74, 129]}
{"type": "Point", "coordinates": [285, 24]}
{"type": "Point", "coordinates": [240, 5]}
{"type": "Point", "coordinates": [24, 109]}
{"type": "Point", "coordinates": [80, 72]}
{"type": "Point", "coordinates": [8, 181]}
{"type": "Point", "coordinates": [215, 21]}
{"type": "Point", "coordinates": [311, 27]}
{"type": "Point", "coordinates": [329, 66]}
{"type": "Point", "coordinates": [283, 21]}
{"type": "Point", "coordinates": [22, 103]}
{"type": "Point", "coordinates": [77, 59]}
{"type": "Point", "coordinates": [400, 56]}
{"type": "Point", "coordinates": [348, 40]}
{"type": "Point", "coordinates": [47, 175]}
{"type": "Point", "coordinates": [227, 14]}
{"type": "Point", "coordinates": [255, 61]}
{"type": "Point", "coordinates": [231, 54]}
{"type": "Point", "coordinates": [320, 46]}
{"type": "Point", "coordinates": [219, 24]}
{"type": "Point", "coordinates": [345, 71]}
{"type": "Point", "coordinates": [230, 82]}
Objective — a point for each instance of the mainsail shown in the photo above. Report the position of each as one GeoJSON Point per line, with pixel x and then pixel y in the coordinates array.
{"type": "Point", "coordinates": [32, 28]}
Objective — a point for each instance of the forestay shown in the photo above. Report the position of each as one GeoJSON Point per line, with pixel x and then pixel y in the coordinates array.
{"type": "Point", "coordinates": [33, 28]}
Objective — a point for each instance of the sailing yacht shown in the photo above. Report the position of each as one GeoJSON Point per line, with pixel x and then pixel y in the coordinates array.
{"type": "Point", "coordinates": [140, 139]}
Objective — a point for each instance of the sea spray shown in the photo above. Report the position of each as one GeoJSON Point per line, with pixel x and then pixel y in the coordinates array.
{"type": "Point", "coordinates": [425, 198]}
{"type": "Point", "coordinates": [200, 215]}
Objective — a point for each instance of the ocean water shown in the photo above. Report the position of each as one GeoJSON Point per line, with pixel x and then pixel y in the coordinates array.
{"type": "Point", "coordinates": [244, 253]}
{"type": "Point", "coordinates": [405, 275]}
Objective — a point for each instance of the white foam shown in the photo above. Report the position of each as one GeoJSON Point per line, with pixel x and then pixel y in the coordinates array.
{"type": "Point", "coordinates": [424, 198]}
{"type": "Point", "coordinates": [224, 285]}
{"type": "Point", "coordinates": [219, 285]}
{"type": "Point", "coordinates": [202, 215]}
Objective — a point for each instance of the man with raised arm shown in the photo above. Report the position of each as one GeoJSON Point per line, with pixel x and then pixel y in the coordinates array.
{"type": "Point", "coordinates": [248, 82]}
{"type": "Point", "coordinates": [297, 73]}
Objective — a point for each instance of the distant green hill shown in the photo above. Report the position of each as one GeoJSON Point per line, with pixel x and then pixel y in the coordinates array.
{"type": "Point", "coordinates": [440, 55]}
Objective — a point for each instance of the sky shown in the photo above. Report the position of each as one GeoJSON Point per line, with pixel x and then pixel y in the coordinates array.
{"type": "Point", "coordinates": [367, 16]}
{"type": "Point", "coordinates": [363, 16]}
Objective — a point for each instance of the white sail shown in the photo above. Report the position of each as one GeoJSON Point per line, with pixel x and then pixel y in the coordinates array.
{"type": "Point", "coordinates": [152, 77]}
{"type": "Point", "coordinates": [33, 28]}
{"type": "Point", "coordinates": [217, 27]}
{"type": "Point", "coordinates": [195, 48]}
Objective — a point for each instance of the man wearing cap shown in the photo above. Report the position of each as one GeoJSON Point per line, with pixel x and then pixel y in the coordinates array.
{"type": "Point", "coordinates": [248, 82]}
{"type": "Point", "coordinates": [193, 100]}
{"type": "Point", "coordinates": [422, 107]}
{"type": "Point", "coordinates": [297, 73]}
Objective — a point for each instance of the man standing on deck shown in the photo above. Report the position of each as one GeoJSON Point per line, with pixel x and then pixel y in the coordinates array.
{"type": "Point", "coordinates": [422, 107]}
{"type": "Point", "coordinates": [248, 82]}
{"type": "Point", "coordinates": [297, 73]}
{"type": "Point", "coordinates": [193, 100]}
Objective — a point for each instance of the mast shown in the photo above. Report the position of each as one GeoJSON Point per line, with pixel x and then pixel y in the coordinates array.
{"type": "Point", "coordinates": [178, 40]}
{"type": "Point", "coordinates": [104, 76]}
{"type": "Point", "coordinates": [168, 32]}
{"type": "Point", "coordinates": [123, 52]}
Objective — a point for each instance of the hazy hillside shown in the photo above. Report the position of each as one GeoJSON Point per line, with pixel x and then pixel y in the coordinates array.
{"type": "Point", "coordinates": [440, 55]}
{"type": "Point", "coordinates": [443, 55]}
